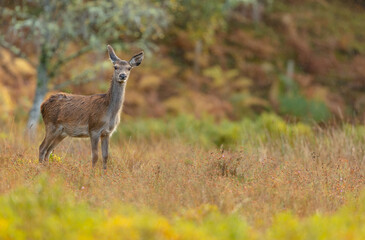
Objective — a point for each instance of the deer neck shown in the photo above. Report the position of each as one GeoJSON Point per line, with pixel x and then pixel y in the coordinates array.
{"type": "Point", "coordinates": [116, 98]}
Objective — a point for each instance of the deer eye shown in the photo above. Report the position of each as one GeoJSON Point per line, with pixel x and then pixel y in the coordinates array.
{"type": "Point", "coordinates": [129, 68]}
{"type": "Point", "coordinates": [115, 67]}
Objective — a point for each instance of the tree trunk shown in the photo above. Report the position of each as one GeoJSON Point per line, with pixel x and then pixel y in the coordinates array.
{"type": "Point", "coordinates": [198, 53]}
{"type": "Point", "coordinates": [256, 12]}
{"type": "Point", "coordinates": [40, 92]}
{"type": "Point", "coordinates": [290, 67]}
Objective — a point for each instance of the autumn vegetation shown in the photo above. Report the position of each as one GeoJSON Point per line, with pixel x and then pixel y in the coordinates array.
{"type": "Point", "coordinates": [245, 120]}
{"type": "Point", "coordinates": [285, 185]}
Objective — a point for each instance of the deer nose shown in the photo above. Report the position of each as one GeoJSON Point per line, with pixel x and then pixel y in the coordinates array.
{"type": "Point", "coordinates": [122, 76]}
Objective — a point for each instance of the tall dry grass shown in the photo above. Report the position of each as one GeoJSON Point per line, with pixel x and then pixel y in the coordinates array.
{"type": "Point", "coordinates": [303, 175]}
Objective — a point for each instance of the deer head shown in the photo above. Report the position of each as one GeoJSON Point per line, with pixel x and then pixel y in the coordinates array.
{"type": "Point", "coordinates": [122, 68]}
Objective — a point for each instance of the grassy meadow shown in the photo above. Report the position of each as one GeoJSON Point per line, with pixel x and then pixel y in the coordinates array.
{"type": "Point", "coordinates": [275, 180]}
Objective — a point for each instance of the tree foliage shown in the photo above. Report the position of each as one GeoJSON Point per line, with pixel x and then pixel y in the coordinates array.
{"type": "Point", "coordinates": [202, 18]}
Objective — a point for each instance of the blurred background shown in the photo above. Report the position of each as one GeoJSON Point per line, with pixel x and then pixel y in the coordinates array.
{"type": "Point", "coordinates": [221, 60]}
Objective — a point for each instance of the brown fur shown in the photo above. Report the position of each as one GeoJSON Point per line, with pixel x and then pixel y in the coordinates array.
{"type": "Point", "coordinates": [89, 109]}
{"type": "Point", "coordinates": [95, 116]}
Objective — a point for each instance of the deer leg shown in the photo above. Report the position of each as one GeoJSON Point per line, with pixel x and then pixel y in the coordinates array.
{"type": "Point", "coordinates": [105, 149]}
{"type": "Point", "coordinates": [41, 150]}
{"type": "Point", "coordinates": [94, 148]}
{"type": "Point", "coordinates": [53, 145]}
{"type": "Point", "coordinates": [48, 139]}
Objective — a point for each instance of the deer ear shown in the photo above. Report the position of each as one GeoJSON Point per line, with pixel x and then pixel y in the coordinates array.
{"type": "Point", "coordinates": [112, 55]}
{"type": "Point", "coordinates": [136, 59]}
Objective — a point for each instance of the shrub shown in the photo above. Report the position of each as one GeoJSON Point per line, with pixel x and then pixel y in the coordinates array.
{"type": "Point", "coordinates": [208, 133]}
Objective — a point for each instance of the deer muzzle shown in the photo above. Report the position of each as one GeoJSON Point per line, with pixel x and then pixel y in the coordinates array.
{"type": "Point", "coordinates": [122, 76]}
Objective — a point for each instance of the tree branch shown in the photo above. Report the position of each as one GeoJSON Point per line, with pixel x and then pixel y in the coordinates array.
{"type": "Point", "coordinates": [64, 60]}
{"type": "Point", "coordinates": [83, 77]}
{"type": "Point", "coordinates": [15, 50]}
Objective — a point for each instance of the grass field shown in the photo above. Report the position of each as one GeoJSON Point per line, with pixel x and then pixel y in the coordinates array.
{"type": "Point", "coordinates": [267, 184]}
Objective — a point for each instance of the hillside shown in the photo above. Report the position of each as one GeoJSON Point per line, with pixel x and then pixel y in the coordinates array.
{"type": "Point", "coordinates": [302, 59]}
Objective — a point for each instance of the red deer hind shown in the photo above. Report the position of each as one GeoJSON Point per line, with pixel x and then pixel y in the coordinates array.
{"type": "Point", "coordinates": [95, 116]}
